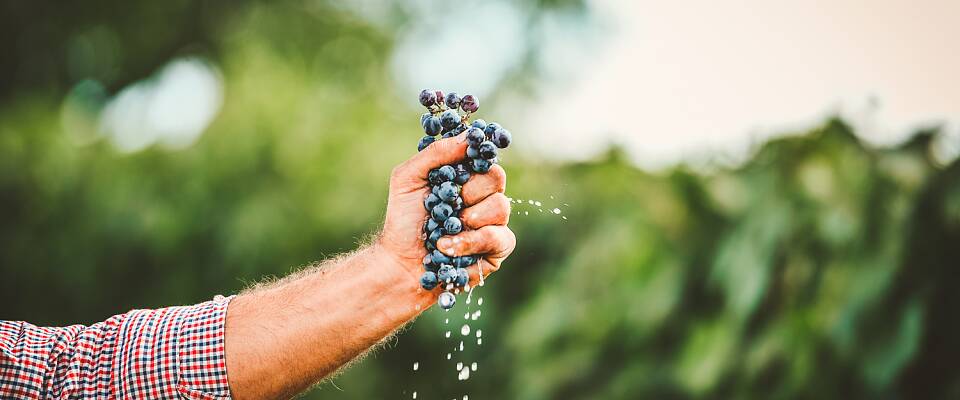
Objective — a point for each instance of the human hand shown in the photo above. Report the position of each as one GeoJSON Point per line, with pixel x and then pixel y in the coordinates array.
{"type": "Point", "coordinates": [485, 216]}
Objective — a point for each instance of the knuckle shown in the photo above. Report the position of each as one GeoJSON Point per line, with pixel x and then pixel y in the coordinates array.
{"type": "Point", "coordinates": [397, 171]}
{"type": "Point", "coordinates": [499, 176]}
{"type": "Point", "coordinates": [501, 208]}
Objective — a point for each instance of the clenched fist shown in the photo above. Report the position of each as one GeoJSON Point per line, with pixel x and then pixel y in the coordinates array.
{"type": "Point", "coordinates": [485, 216]}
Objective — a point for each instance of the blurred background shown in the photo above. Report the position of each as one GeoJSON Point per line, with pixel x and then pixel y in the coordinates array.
{"type": "Point", "coordinates": [748, 200]}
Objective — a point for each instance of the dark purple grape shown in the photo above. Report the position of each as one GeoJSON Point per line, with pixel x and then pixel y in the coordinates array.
{"type": "Point", "coordinates": [475, 136]}
{"type": "Point", "coordinates": [464, 261]}
{"type": "Point", "coordinates": [470, 103]}
{"type": "Point", "coordinates": [434, 177]}
{"type": "Point", "coordinates": [441, 212]}
{"type": "Point", "coordinates": [477, 123]}
{"type": "Point", "coordinates": [487, 150]}
{"type": "Point", "coordinates": [423, 118]}
{"type": "Point", "coordinates": [447, 274]}
{"type": "Point", "coordinates": [424, 142]}
{"type": "Point", "coordinates": [462, 278]}
{"type": "Point", "coordinates": [480, 165]}
{"type": "Point", "coordinates": [447, 173]}
{"type": "Point", "coordinates": [428, 98]}
{"type": "Point", "coordinates": [430, 225]}
{"type": "Point", "coordinates": [452, 100]}
{"type": "Point", "coordinates": [434, 237]}
{"type": "Point", "coordinates": [429, 280]}
{"type": "Point", "coordinates": [458, 204]}
{"type": "Point", "coordinates": [432, 126]}
{"type": "Point", "coordinates": [440, 258]}
{"type": "Point", "coordinates": [449, 191]}
{"type": "Point", "coordinates": [452, 226]}
{"type": "Point", "coordinates": [449, 119]}
{"type": "Point", "coordinates": [491, 128]}
{"type": "Point", "coordinates": [473, 152]}
{"type": "Point", "coordinates": [463, 174]}
{"type": "Point", "coordinates": [502, 138]}
{"type": "Point", "coordinates": [431, 201]}
{"type": "Point", "coordinates": [439, 94]}
{"type": "Point", "coordinates": [448, 134]}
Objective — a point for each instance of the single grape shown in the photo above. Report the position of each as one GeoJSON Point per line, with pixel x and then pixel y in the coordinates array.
{"type": "Point", "coordinates": [463, 174]}
{"type": "Point", "coordinates": [487, 150]}
{"type": "Point", "coordinates": [458, 204]}
{"type": "Point", "coordinates": [464, 261]}
{"type": "Point", "coordinates": [428, 98]}
{"type": "Point", "coordinates": [431, 201]}
{"type": "Point", "coordinates": [429, 280]}
{"type": "Point", "coordinates": [446, 273]}
{"type": "Point", "coordinates": [449, 191]}
{"type": "Point", "coordinates": [427, 259]}
{"type": "Point", "coordinates": [431, 126]}
{"type": "Point", "coordinates": [447, 173]}
{"type": "Point", "coordinates": [423, 118]}
{"type": "Point", "coordinates": [446, 300]}
{"type": "Point", "coordinates": [424, 142]}
{"type": "Point", "coordinates": [502, 138]}
{"type": "Point", "coordinates": [434, 177]}
{"type": "Point", "coordinates": [430, 225]}
{"type": "Point", "coordinates": [431, 267]}
{"type": "Point", "coordinates": [480, 165]}
{"type": "Point", "coordinates": [435, 189]}
{"type": "Point", "coordinates": [463, 276]}
{"type": "Point", "coordinates": [470, 103]}
{"type": "Point", "coordinates": [439, 258]}
{"type": "Point", "coordinates": [441, 212]}
{"type": "Point", "coordinates": [452, 226]}
{"type": "Point", "coordinates": [477, 123]}
{"type": "Point", "coordinates": [449, 119]}
{"type": "Point", "coordinates": [439, 94]}
{"type": "Point", "coordinates": [475, 136]}
{"type": "Point", "coordinates": [491, 128]}
{"type": "Point", "coordinates": [433, 237]}
{"type": "Point", "coordinates": [452, 100]}
{"type": "Point", "coordinates": [459, 129]}
{"type": "Point", "coordinates": [473, 152]}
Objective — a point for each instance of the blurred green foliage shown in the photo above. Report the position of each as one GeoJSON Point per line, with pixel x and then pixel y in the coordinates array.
{"type": "Point", "coordinates": [820, 268]}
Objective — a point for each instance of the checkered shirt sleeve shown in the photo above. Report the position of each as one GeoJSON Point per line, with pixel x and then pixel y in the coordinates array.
{"type": "Point", "coordinates": [168, 353]}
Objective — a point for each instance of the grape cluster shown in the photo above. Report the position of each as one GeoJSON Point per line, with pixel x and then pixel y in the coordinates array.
{"type": "Point", "coordinates": [444, 204]}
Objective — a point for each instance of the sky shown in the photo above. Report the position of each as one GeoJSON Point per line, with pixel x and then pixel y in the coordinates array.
{"type": "Point", "coordinates": [692, 81]}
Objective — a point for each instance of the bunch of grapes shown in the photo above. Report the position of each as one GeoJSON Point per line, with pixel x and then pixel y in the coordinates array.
{"type": "Point", "coordinates": [444, 204]}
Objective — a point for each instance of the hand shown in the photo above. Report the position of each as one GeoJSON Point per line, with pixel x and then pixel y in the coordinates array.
{"type": "Point", "coordinates": [485, 216]}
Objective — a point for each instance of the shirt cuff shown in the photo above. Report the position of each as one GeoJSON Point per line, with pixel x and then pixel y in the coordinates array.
{"type": "Point", "coordinates": [178, 348]}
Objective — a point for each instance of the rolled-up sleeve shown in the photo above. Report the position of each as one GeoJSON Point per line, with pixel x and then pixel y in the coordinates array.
{"type": "Point", "coordinates": [168, 353]}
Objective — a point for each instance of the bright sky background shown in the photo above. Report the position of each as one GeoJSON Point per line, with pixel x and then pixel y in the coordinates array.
{"type": "Point", "coordinates": [683, 80]}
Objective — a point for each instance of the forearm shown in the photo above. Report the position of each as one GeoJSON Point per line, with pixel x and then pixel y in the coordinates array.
{"type": "Point", "coordinates": [284, 337]}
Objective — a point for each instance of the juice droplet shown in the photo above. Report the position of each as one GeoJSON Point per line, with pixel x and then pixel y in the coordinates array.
{"type": "Point", "coordinates": [473, 367]}
{"type": "Point", "coordinates": [416, 366]}
{"type": "Point", "coordinates": [465, 330]}
{"type": "Point", "coordinates": [556, 211]}
{"type": "Point", "coordinates": [447, 334]}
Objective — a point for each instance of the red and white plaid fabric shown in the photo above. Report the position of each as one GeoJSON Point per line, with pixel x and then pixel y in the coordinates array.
{"type": "Point", "coordinates": [169, 353]}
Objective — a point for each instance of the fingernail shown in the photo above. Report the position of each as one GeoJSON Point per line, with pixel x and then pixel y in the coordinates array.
{"type": "Point", "coordinates": [444, 243]}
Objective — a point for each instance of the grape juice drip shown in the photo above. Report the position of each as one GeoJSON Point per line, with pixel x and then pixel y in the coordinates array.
{"type": "Point", "coordinates": [449, 116]}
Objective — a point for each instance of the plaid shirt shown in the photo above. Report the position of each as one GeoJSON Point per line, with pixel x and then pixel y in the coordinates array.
{"type": "Point", "coordinates": [169, 353]}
